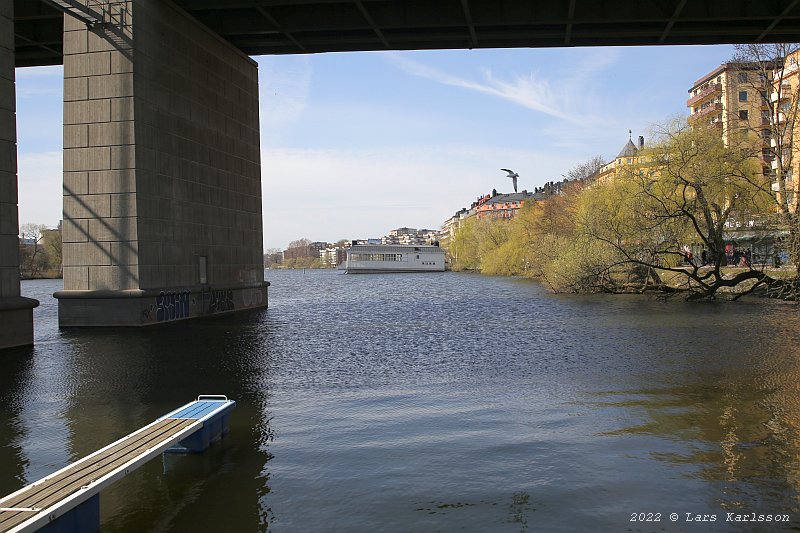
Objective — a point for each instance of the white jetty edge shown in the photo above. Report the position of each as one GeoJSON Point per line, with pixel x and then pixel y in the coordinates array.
{"type": "Point", "coordinates": [72, 493]}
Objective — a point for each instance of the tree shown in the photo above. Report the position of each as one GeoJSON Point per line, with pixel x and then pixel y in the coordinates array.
{"type": "Point", "coordinates": [52, 243]}
{"type": "Point", "coordinates": [643, 223]}
{"type": "Point", "coordinates": [586, 171]}
{"type": "Point", "coordinates": [32, 257]}
{"type": "Point", "coordinates": [463, 247]}
{"type": "Point", "coordinates": [272, 256]}
{"type": "Point", "coordinates": [543, 230]}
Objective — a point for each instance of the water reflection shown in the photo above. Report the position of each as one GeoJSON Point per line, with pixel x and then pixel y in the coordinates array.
{"type": "Point", "coordinates": [99, 385]}
{"type": "Point", "coordinates": [735, 433]}
{"type": "Point", "coordinates": [131, 377]}
{"type": "Point", "coordinates": [15, 380]}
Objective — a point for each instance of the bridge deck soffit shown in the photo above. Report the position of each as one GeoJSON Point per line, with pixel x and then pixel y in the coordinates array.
{"type": "Point", "coordinates": [265, 27]}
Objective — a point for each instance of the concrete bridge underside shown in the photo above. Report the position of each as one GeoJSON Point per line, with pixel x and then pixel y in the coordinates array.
{"type": "Point", "coordinates": [162, 191]}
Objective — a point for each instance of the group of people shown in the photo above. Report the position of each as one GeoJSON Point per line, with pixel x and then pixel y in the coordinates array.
{"type": "Point", "coordinates": [733, 257]}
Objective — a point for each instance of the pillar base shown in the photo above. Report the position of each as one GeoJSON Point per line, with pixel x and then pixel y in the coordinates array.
{"type": "Point", "coordinates": [138, 307]}
{"type": "Point", "coordinates": [16, 321]}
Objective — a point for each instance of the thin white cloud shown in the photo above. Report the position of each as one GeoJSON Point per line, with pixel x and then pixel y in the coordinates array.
{"type": "Point", "coordinates": [284, 87]}
{"type": "Point", "coordinates": [591, 63]}
{"type": "Point", "coordinates": [526, 91]}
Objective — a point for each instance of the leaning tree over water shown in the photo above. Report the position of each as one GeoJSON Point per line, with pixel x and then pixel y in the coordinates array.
{"type": "Point", "coordinates": [686, 188]}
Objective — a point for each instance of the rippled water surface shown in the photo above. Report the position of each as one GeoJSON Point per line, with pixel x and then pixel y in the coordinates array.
{"type": "Point", "coordinates": [428, 402]}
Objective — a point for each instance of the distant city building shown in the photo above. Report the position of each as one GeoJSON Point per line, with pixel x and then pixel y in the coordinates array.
{"type": "Point", "coordinates": [629, 156]}
{"type": "Point", "coordinates": [333, 255]}
{"type": "Point", "coordinates": [493, 205]}
{"type": "Point", "coordinates": [453, 223]}
{"type": "Point", "coordinates": [503, 206]}
{"type": "Point", "coordinates": [317, 247]}
{"type": "Point", "coordinates": [410, 236]}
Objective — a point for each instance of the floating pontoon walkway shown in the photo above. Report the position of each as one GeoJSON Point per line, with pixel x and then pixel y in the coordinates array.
{"type": "Point", "coordinates": [71, 495]}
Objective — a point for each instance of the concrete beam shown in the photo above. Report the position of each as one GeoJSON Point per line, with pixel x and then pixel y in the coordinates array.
{"type": "Point", "coordinates": [162, 172]}
{"type": "Point", "coordinates": [16, 312]}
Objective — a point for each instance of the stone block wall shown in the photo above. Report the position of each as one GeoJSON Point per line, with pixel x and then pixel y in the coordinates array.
{"type": "Point", "coordinates": [9, 223]}
{"type": "Point", "coordinates": [16, 312]}
{"type": "Point", "coordinates": [100, 227]}
{"type": "Point", "coordinates": [162, 176]}
{"type": "Point", "coordinates": [197, 155]}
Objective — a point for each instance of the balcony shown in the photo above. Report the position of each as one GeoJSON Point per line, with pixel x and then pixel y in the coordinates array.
{"type": "Point", "coordinates": [705, 112]}
{"type": "Point", "coordinates": [786, 92]}
{"type": "Point", "coordinates": [712, 89]}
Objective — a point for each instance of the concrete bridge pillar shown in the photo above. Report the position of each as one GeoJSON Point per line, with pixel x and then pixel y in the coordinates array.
{"type": "Point", "coordinates": [162, 176]}
{"type": "Point", "coordinates": [16, 312]}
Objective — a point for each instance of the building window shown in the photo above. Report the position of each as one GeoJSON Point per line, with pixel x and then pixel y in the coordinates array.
{"type": "Point", "coordinates": [742, 96]}
{"type": "Point", "coordinates": [743, 114]}
{"type": "Point", "coordinates": [202, 264]}
{"type": "Point", "coordinates": [742, 77]}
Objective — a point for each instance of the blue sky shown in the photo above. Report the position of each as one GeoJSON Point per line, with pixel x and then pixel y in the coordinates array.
{"type": "Point", "coordinates": [356, 144]}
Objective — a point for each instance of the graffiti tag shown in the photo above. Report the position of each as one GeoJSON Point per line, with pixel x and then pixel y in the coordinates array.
{"type": "Point", "coordinates": [172, 305]}
{"type": "Point", "coordinates": [216, 300]}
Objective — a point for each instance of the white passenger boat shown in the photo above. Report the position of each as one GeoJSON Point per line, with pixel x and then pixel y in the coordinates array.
{"type": "Point", "coordinates": [377, 258]}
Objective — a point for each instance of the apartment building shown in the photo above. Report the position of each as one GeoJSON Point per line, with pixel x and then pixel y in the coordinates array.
{"type": "Point", "coordinates": [784, 105]}
{"type": "Point", "coordinates": [410, 236]}
{"type": "Point", "coordinates": [502, 206]}
{"type": "Point", "coordinates": [760, 98]}
{"type": "Point", "coordinates": [734, 98]}
{"type": "Point", "coordinates": [333, 256]}
{"type": "Point", "coordinates": [451, 225]}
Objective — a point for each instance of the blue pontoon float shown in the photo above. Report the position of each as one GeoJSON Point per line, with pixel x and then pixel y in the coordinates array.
{"type": "Point", "coordinates": [69, 500]}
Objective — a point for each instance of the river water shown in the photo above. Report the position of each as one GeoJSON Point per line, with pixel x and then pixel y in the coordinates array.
{"type": "Point", "coordinates": [428, 402]}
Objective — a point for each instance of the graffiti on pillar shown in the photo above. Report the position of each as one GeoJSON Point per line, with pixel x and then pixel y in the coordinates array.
{"type": "Point", "coordinates": [216, 301]}
{"type": "Point", "coordinates": [249, 276]}
{"type": "Point", "coordinates": [252, 297]}
{"type": "Point", "coordinates": [172, 305]}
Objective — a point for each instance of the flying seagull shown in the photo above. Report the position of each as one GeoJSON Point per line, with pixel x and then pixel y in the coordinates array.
{"type": "Point", "coordinates": [513, 175]}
